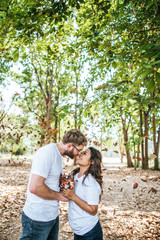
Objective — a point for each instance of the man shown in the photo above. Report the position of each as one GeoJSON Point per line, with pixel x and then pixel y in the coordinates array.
{"type": "Point", "coordinates": [40, 220]}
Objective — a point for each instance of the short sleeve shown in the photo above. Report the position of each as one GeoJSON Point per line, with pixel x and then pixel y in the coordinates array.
{"type": "Point", "coordinates": [92, 195]}
{"type": "Point", "coordinates": [42, 163]}
{"type": "Point", "coordinates": [92, 190]}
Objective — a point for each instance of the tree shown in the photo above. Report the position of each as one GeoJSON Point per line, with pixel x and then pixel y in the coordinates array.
{"type": "Point", "coordinates": [23, 22]}
{"type": "Point", "coordinates": [123, 33]}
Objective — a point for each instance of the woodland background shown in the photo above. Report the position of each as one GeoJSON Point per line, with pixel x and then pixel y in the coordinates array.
{"type": "Point", "coordinates": [92, 65]}
{"type": "Point", "coordinates": [87, 64]}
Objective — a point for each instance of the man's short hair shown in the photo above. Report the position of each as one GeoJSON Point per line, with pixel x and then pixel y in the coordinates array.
{"type": "Point", "coordinates": [74, 136]}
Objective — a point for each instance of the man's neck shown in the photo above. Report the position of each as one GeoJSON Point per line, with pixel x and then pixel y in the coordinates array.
{"type": "Point", "coordinates": [60, 147]}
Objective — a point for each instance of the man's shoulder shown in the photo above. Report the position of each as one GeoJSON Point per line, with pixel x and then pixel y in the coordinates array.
{"type": "Point", "coordinates": [51, 146]}
{"type": "Point", "coordinates": [48, 149]}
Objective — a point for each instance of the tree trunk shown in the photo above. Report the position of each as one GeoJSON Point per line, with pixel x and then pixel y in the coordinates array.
{"type": "Point", "coordinates": [101, 140]}
{"type": "Point", "coordinates": [59, 130]}
{"type": "Point", "coordinates": [156, 161]}
{"type": "Point", "coordinates": [55, 127]}
{"type": "Point", "coordinates": [141, 134]}
{"type": "Point", "coordinates": [75, 116]}
{"type": "Point", "coordinates": [155, 143]}
{"type": "Point", "coordinates": [121, 149]}
{"type": "Point", "coordinates": [138, 158]}
{"type": "Point", "coordinates": [122, 155]}
{"type": "Point", "coordinates": [47, 96]}
{"type": "Point", "coordinates": [145, 162]}
{"type": "Point", "coordinates": [134, 157]}
{"type": "Point", "coordinates": [76, 104]}
{"type": "Point", "coordinates": [48, 122]}
{"type": "Point", "coordinates": [134, 147]}
{"type": "Point", "coordinates": [76, 113]}
{"type": "Point", "coordinates": [80, 114]}
{"type": "Point", "coordinates": [125, 135]}
{"type": "Point", "coordinates": [42, 139]}
{"type": "Point", "coordinates": [55, 114]}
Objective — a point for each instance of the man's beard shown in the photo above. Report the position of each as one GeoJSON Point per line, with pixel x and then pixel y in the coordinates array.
{"type": "Point", "coordinates": [70, 154]}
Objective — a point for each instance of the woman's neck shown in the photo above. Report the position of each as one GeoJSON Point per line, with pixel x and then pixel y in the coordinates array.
{"type": "Point", "coordinates": [82, 171]}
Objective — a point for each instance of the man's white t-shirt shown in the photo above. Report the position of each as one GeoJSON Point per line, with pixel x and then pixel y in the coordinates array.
{"type": "Point", "coordinates": [47, 163]}
{"type": "Point", "coordinates": [81, 221]}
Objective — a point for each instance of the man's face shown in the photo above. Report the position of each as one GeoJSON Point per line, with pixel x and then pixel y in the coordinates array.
{"type": "Point", "coordinates": [74, 151]}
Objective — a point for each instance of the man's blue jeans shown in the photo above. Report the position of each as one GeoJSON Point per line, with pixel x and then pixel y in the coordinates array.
{"type": "Point", "coordinates": [34, 230]}
{"type": "Point", "coordinates": [94, 234]}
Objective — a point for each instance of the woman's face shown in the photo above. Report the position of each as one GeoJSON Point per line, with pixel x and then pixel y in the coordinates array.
{"type": "Point", "coordinates": [84, 158]}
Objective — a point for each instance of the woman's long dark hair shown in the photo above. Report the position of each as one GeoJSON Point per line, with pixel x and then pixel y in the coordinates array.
{"type": "Point", "coordinates": [95, 166]}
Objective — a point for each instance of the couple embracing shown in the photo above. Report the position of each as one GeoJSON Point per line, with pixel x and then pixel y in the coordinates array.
{"type": "Point", "coordinates": [40, 216]}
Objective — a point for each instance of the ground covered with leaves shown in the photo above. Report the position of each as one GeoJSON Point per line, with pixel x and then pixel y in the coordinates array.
{"type": "Point", "coordinates": [129, 208]}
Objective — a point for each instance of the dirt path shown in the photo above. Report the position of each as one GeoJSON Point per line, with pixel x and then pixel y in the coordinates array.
{"type": "Point", "coordinates": [129, 209]}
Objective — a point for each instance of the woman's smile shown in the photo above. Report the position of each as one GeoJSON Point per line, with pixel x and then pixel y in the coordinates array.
{"type": "Point", "coordinates": [84, 159]}
{"type": "Point", "coordinates": [79, 158]}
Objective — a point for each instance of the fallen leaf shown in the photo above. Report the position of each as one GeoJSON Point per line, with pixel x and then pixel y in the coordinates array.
{"type": "Point", "coordinates": [144, 179]}
{"type": "Point", "coordinates": [105, 149]}
{"type": "Point", "coordinates": [103, 211]}
{"type": "Point", "coordinates": [135, 185]}
{"type": "Point", "coordinates": [152, 190]}
{"type": "Point", "coordinates": [115, 144]}
{"type": "Point", "coordinates": [115, 151]}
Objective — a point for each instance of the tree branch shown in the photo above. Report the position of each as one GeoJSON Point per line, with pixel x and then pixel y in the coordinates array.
{"type": "Point", "coordinates": [38, 79]}
{"type": "Point", "coordinates": [47, 81]}
{"type": "Point", "coordinates": [2, 10]}
{"type": "Point", "coordinates": [134, 12]}
{"type": "Point", "coordinates": [156, 11]}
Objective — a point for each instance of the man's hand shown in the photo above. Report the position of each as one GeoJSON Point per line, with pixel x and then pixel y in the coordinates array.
{"type": "Point", "coordinates": [63, 198]}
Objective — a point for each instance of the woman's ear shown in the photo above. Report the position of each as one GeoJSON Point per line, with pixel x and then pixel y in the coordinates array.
{"type": "Point", "coordinates": [92, 162]}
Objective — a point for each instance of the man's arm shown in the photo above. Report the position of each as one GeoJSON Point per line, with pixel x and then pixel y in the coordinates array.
{"type": "Point", "coordinates": [39, 188]}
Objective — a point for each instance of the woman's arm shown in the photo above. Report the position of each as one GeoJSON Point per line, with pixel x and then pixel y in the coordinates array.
{"type": "Point", "coordinates": [69, 193]}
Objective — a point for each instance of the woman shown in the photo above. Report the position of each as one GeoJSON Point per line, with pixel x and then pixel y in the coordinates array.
{"type": "Point", "coordinates": [84, 198]}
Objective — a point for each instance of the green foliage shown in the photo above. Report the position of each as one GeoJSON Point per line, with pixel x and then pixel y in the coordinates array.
{"type": "Point", "coordinates": [115, 44]}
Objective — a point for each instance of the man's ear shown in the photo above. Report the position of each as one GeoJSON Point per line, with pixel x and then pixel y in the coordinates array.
{"type": "Point", "coordinates": [69, 145]}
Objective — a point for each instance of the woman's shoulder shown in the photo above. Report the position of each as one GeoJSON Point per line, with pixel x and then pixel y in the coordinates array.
{"type": "Point", "coordinates": [90, 181]}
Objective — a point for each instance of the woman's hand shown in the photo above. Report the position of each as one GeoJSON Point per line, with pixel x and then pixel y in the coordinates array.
{"type": "Point", "coordinates": [68, 193]}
